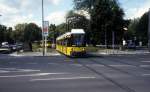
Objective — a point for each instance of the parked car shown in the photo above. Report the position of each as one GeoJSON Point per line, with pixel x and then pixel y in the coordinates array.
{"type": "Point", "coordinates": [131, 46]}
{"type": "Point", "coordinates": [16, 46]}
{"type": "Point", "coordinates": [5, 45]}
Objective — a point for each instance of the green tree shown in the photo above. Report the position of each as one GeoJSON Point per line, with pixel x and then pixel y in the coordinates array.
{"type": "Point", "coordinates": [132, 29]}
{"type": "Point", "coordinates": [76, 21]}
{"type": "Point", "coordinates": [61, 28]}
{"type": "Point", "coordinates": [142, 29]}
{"type": "Point", "coordinates": [53, 33]}
{"type": "Point", "coordinates": [2, 33]}
{"type": "Point", "coordinates": [106, 17]}
{"type": "Point", "coordinates": [18, 35]}
{"type": "Point", "coordinates": [32, 33]}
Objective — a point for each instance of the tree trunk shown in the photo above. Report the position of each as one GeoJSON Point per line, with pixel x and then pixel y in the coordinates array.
{"type": "Point", "coordinates": [30, 46]}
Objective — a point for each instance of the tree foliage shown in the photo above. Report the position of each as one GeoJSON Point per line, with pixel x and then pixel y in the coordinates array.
{"type": "Point", "coordinates": [138, 28]}
{"type": "Point", "coordinates": [19, 32]}
{"type": "Point", "coordinates": [76, 21]}
{"type": "Point", "coordinates": [32, 33]}
{"type": "Point", "coordinates": [6, 34]}
{"type": "Point", "coordinates": [106, 16]}
{"type": "Point", "coordinates": [131, 32]}
{"type": "Point", "coordinates": [142, 28]}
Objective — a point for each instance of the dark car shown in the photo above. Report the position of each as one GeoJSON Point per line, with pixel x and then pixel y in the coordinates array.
{"type": "Point", "coordinates": [131, 46]}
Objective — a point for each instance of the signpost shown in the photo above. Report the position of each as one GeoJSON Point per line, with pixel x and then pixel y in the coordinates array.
{"type": "Point", "coordinates": [45, 34]}
{"type": "Point", "coordinates": [45, 28]}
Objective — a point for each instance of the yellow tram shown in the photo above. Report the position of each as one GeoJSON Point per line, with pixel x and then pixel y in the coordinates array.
{"type": "Point", "coordinates": [72, 43]}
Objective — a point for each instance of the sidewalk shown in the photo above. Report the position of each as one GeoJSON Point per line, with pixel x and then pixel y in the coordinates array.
{"type": "Point", "coordinates": [119, 52]}
{"type": "Point", "coordinates": [20, 54]}
{"type": "Point", "coordinates": [100, 52]}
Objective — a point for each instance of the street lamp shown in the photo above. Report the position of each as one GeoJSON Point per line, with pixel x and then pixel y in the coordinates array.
{"type": "Point", "coordinates": [149, 30]}
{"type": "Point", "coordinates": [43, 28]}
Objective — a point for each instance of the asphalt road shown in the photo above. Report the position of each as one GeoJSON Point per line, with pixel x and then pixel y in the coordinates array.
{"type": "Point", "coordinates": [121, 73]}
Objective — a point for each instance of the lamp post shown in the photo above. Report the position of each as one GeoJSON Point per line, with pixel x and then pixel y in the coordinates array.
{"type": "Point", "coordinates": [43, 46]}
{"type": "Point", "coordinates": [149, 30]}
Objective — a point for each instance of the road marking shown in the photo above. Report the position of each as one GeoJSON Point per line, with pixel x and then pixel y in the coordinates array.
{"type": "Point", "coordinates": [53, 63]}
{"type": "Point", "coordinates": [145, 74]}
{"type": "Point", "coordinates": [18, 70]}
{"type": "Point", "coordinates": [95, 65]}
{"type": "Point", "coordinates": [67, 60]}
{"type": "Point", "coordinates": [32, 63]}
{"type": "Point", "coordinates": [31, 75]}
{"type": "Point", "coordinates": [79, 65]}
{"type": "Point", "coordinates": [8, 68]}
{"type": "Point", "coordinates": [12, 62]}
{"type": "Point", "coordinates": [144, 65]}
{"type": "Point", "coordinates": [146, 61]}
{"type": "Point", "coordinates": [3, 71]}
{"type": "Point", "coordinates": [28, 70]}
{"type": "Point", "coordinates": [122, 65]}
{"type": "Point", "coordinates": [70, 78]}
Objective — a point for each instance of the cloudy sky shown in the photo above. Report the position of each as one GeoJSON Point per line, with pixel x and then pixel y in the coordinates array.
{"type": "Point", "coordinates": [20, 11]}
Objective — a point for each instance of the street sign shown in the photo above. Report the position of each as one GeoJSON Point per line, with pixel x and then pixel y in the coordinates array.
{"type": "Point", "coordinates": [45, 28]}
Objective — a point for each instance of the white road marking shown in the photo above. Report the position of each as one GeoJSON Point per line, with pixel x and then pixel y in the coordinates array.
{"type": "Point", "coordinates": [145, 74]}
{"type": "Point", "coordinates": [32, 63]}
{"type": "Point", "coordinates": [146, 61]}
{"type": "Point", "coordinates": [144, 65]}
{"type": "Point", "coordinates": [122, 65]}
{"type": "Point", "coordinates": [95, 65]}
{"type": "Point", "coordinates": [8, 68]}
{"type": "Point", "coordinates": [12, 62]}
{"type": "Point", "coordinates": [29, 70]}
{"type": "Point", "coordinates": [70, 78]}
{"type": "Point", "coordinates": [52, 63]}
{"type": "Point", "coordinates": [79, 65]}
{"type": "Point", "coordinates": [3, 71]}
{"type": "Point", "coordinates": [31, 75]}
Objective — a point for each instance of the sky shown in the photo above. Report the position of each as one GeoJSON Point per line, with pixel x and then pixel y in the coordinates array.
{"type": "Point", "coordinates": [26, 11]}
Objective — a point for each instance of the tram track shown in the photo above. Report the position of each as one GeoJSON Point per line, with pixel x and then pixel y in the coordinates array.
{"type": "Point", "coordinates": [120, 61]}
{"type": "Point", "coordinates": [114, 68]}
{"type": "Point", "coordinates": [124, 87]}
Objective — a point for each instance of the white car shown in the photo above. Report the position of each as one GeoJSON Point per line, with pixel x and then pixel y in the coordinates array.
{"type": "Point", "coordinates": [5, 45]}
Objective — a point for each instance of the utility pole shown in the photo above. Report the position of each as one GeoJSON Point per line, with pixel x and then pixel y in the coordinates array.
{"type": "Point", "coordinates": [43, 46]}
{"type": "Point", "coordinates": [149, 31]}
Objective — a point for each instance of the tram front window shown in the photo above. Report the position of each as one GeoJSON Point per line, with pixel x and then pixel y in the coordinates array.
{"type": "Point", "coordinates": [78, 40]}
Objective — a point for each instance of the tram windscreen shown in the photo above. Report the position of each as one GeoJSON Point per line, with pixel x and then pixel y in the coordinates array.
{"type": "Point", "coordinates": [78, 40]}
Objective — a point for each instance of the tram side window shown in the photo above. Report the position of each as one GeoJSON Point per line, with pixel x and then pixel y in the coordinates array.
{"type": "Point", "coordinates": [63, 42]}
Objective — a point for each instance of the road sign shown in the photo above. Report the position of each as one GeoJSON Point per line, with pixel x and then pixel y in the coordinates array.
{"type": "Point", "coordinates": [45, 28]}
